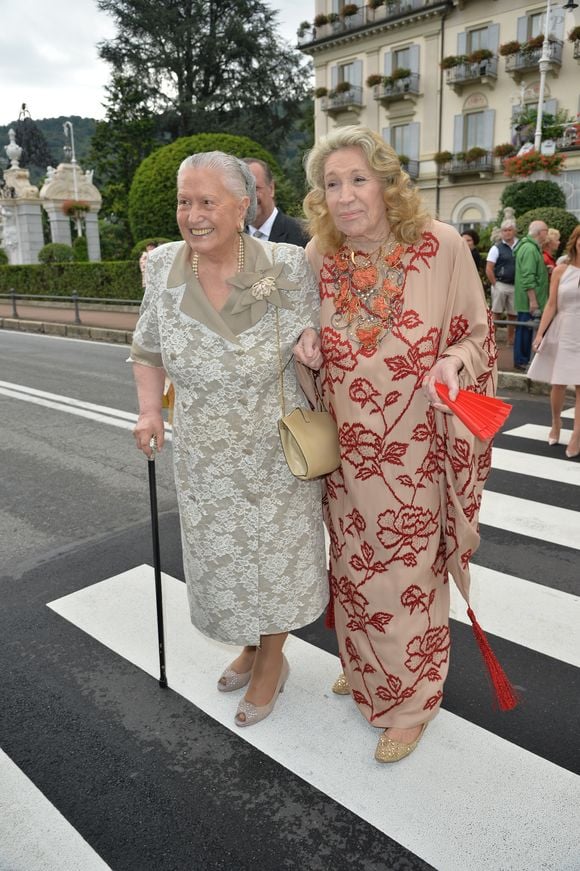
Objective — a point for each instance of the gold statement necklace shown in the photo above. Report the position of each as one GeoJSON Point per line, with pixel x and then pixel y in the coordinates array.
{"type": "Point", "coordinates": [369, 291]}
{"type": "Point", "coordinates": [241, 258]}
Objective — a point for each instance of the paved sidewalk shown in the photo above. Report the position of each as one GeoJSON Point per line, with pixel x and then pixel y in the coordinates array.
{"type": "Point", "coordinates": [116, 324]}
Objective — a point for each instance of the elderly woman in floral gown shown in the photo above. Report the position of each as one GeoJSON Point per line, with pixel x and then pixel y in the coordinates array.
{"type": "Point", "coordinates": [402, 308]}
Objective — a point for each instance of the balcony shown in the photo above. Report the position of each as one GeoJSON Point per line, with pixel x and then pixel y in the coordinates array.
{"type": "Point", "coordinates": [343, 101]}
{"type": "Point", "coordinates": [577, 49]}
{"type": "Point", "coordinates": [483, 72]}
{"type": "Point", "coordinates": [525, 61]}
{"type": "Point", "coordinates": [340, 26]}
{"type": "Point", "coordinates": [460, 165]}
{"type": "Point", "coordinates": [411, 167]}
{"type": "Point", "coordinates": [392, 89]}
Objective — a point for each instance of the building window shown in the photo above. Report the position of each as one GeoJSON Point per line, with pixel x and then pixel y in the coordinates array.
{"type": "Point", "coordinates": [346, 73]}
{"type": "Point", "coordinates": [477, 39]}
{"type": "Point", "coordinates": [401, 139]}
{"type": "Point", "coordinates": [536, 24]}
{"type": "Point", "coordinates": [402, 59]}
{"type": "Point", "coordinates": [473, 130]}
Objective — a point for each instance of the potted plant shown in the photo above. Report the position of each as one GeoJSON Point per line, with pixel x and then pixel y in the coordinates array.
{"type": "Point", "coordinates": [509, 48]}
{"type": "Point", "coordinates": [574, 34]}
{"type": "Point", "coordinates": [526, 164]}
{"type": "Point", "coordinates": [460, 156]}
{"type": "Point", "coordinates": [75, 208]}
{"type": "Point", "coordinates": [333, 17]}
{"type": "Point", "coordinates": [404, 160]}
{"type": "Point", "coordinates": [303, 29]}
{"type": "Point", "coordinates": [401, 73]}
{"type": "Point", "coordinates": [475, 153]}
{"type": "Point", "coordinates": [452, 60]}
{"type": "Point", "coordinates": [504, 150]}
{"type": "Point", "coordinates": [349, 9]}
{"type": "Point", "coordinates": [534, 43]}
{"type": "Point", "coordinates": [481, 54]}
{"type": "Point", "coordinates": [441, 157]}
{"type": "Point", "coordinates": [375, 4]}
{"type": "Point", "coordinates": [320, 20]}
{"type": "Point", "coordinates": [321, 92]}
{"type": "Point", "coordinates": [374, 79]}
{"type": "Point", "coordinates": [343, 87]}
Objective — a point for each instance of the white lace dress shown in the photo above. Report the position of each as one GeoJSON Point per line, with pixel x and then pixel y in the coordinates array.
{"type": "Point", "coordinates": [253, 542]}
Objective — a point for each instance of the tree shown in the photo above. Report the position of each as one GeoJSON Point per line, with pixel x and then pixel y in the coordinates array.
{"type": "Point", "coordinates": [120, 143]}
{"type": "Point", "coordinates": [522, 196]}
{"type": "Point", "coordinates": [212, 65]}
{"type": "Point", "coordinates": [36, 154]}
{"type": "Point", "coordinates": [153, 193]}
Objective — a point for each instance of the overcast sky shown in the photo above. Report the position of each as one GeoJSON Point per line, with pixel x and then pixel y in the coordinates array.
{"type": "Point", "coordinates": [48, 55]}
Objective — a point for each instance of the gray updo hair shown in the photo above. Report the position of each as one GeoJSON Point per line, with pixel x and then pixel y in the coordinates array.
{"type": "Point", "coordinates": [238, 178]}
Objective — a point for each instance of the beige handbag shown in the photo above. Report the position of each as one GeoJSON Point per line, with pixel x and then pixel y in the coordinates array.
{"type": "Point", "coordinates": [309, 438]}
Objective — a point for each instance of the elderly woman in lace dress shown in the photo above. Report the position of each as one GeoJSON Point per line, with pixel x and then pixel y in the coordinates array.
{"type": "Point", "coordinates": [220, 316]}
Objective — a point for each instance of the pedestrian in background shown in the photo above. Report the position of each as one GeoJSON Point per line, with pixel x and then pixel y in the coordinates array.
{"type": "Point", "coordinates": [270, 222]}
{"type": "Point", "coordinates": [471, 237]}
{"type": "Point", "coordinates": [557, 342]}
{"type": "Point", "coordinates": [531, 289]}
{"type": "Point", "coordinates": [151, 246]}
{"type": "Point", "coordinates": [550, 249]}
{"type": "Point", "coordinates": [500, 270]}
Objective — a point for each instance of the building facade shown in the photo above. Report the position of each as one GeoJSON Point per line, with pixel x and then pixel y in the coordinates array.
{"type": "Point", "coordinates": [446, 82]}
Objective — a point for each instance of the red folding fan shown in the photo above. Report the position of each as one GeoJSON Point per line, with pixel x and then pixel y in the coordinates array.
{"type": "Point", "coordinates": [482, 415]}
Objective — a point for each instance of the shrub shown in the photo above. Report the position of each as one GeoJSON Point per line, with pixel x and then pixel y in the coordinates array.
{"type": "Point", "coordinates": [333, 17]}
{"type": "Point", "coordinates": [401, 73]}
{"type": "Point", "coordinates": [343, 87]}
{"type": "Point", "coordinates": [506, 149]}
{"type": "Point", "coordinates": [479, 55]}
{"type": "Point", "coordinates": [375, 4]}
{"type": "Point", "coordinates": [80, 249]}
{"type": "Point", "coordinates": [574, 34]}
{"type": "Point", "coordinates": [349, 9]}
{"type": "Point", "coordinates": [55, 252]}
{"type": "Point", "coordinates": [452, 60]}
{"type": "Point", "coordinates": [140, 247]}
{"type": "Point", "coordinates": [320, 20]}
{"type": "Point", "coordinates": [3, 257]}
{"type": "Point", "coordinates": [374, 79]}
{"type": "Point", "coordinates": [442, 157]}
{"type": "Point", "coordinates": [116, 240]}
{"type": "Point", "coordinates": [522, 196]}
{"type": "Point", "coordinates": [119, 280]}
{"type": "Point", "coordinates": [321, 92]}
{"type": "Point", "coordinates": [152, 193]}
{"type": "Point", "coordinates": [559, 218]}
{"type": "Point", "coordinates": [475, 153]}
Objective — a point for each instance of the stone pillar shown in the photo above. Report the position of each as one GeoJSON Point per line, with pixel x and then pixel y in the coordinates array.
{"type": "Point", "coordinates": [21, 213]}
{"type": "Point", "coordinates": [92, 234]}
{"type": "Point", "coordinates": [29, 222]}
{"type": "Point", "coordinates": [59, 223]}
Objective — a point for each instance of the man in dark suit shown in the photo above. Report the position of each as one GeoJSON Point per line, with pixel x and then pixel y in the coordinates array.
{"type": "Point", "coordinates": [270, 223]}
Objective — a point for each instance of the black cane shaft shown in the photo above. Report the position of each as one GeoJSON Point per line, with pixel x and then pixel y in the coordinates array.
{"type": "Point", "coordinates": [157, 570]}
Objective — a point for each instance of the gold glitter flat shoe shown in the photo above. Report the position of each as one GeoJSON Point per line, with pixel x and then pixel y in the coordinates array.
{"type": "Point", "coordinates": [393, 751]}
{"type": "Point", "coordinates": [231, 680]}
{"type": "Point", "coordinates": [341, 685]}
{"type": "Point", "coordinates": [255, 713]}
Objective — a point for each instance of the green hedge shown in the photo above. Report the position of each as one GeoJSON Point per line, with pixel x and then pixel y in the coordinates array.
{"type": "Point", "coordinates": [152, 198]}
{"type": "Point", "coordinates": [119, 279]}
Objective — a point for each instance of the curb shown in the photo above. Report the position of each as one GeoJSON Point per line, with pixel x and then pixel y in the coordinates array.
{"type": "Point", "coordinates": [71, 331]}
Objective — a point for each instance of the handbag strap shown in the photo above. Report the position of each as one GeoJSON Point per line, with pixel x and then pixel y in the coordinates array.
{"type": "Point", "coordinates": [280, 367]}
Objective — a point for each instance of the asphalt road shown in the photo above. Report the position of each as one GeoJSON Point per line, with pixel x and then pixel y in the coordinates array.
{"type": "Point", "coordinates": [103, 769]}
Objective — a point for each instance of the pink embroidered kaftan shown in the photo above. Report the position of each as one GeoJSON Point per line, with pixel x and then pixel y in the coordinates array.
{"type": "Point", "coordinates": [403, 505]}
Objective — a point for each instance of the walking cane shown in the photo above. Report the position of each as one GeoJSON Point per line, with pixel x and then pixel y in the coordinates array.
{"type": "Point", "coordinates": [157, 561]}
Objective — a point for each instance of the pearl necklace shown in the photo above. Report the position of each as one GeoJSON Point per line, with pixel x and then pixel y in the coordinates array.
{"type": "Point", "coordinates": [241, 258]}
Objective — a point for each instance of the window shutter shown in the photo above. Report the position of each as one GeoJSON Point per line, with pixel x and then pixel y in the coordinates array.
{"type": "Point", "coordinates": [493, 37]}
{"type": "Point", "coordinates": [550, 107]}
{"type": "Point", "coordinates": [414, 55]}
{"type": "Point", "coordinates": [357, 73]}
{"type": "Point", "coordinates": [388, 63]}
{"type": "Point", "coordinates": [522, 29]}
{"type": "Point", "coordinates": [557, 16]}
{"type": "Point", "coordinates": [386, 134]}
{"type": "Point", "coordinates": [336, 5]}
{"type": "Point", "coordinates": [414, 128]}
{"type": "Point", "coordinates": [462, 43]}
{"type": "Point", "coordinates": [457, 133]}
{"type": "Point", "coordinates": [333, 77]}
{"type": "Point", "coordinates": [488, 122]}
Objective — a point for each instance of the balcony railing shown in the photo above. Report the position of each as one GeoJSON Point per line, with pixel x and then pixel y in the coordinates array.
{"type": "Point", "coordinates": [462, 166]}
{"type": "Point", "coordinates": [472, 72]}
{"type": "Point", "coordinates": [577, 48]}
{"type": "Point", "coordinates": [529, 60]}
{"type": "Point", "coordinates": [344, 100]}
{"type": "Point", "coordinates": [398, 89]}
{"type": "Point", "coordinates": [365, 16]}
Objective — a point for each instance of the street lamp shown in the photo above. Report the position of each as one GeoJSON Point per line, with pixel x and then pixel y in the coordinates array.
{"type": "Point", "coordinates": [70, 152]}
{"type": "Point", "coordinates": [544, 65]}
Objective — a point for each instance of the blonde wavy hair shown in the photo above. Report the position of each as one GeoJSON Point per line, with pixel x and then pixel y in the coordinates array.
{"type": "Point", "coordinates": [403, 205]}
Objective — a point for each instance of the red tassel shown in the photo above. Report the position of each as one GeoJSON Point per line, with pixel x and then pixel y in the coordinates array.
{"type": "Point", "coordinates": [505, 693]}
